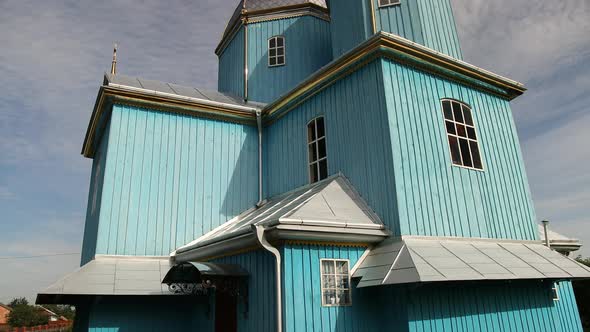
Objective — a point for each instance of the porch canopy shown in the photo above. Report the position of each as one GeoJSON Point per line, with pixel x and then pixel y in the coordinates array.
{"type": "Point", "coordinates": [428, 259]}
{"type": "Point", "coordinates": [198, 272]}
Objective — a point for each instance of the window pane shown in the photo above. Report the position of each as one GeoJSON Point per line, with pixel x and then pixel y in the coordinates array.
{"type": "Point", "coordinates": [273, 61]}
{"type": "Point", "coordinates": [342, 282]}
{"type": "Point", "coordinates": [321, 148]}
{"type": "Point", "coordinates": [272, 52]}
{"type": "Point", "coordinates": [465, 152]}
{"type": "Point", "coordinates": [281, 51]}
{"type": "Point", "coordinates": [343, 297]}
{"type": "Point", "coordinates": [455, 154]}
{"type": "Point", "coordinates": [328, 267]}
{"type": "Point", "coordinates": [342, 267]}
{"type": "Point", "coordinates": [280, 41]}
{"type": "Point", "coordinates": [450, 127]}
{"type": "Point", "coordinates": [457, 112]}
{"type": "Point", "coordinates": [447, 110]}
{"type": "Point", "coordinates": [313, 173]}
{"type": "Point", "coordinates": [311, 131]}
{"type": "Point", "coordinates": [272, 43]}
{"type": "Point", "coordinates": [461, 130]}
{"type": "Point", "coordinates": [475, 155]}
{"type": "Point", "coordinates": [320, 124]}
{"type": "Point", "coordinates": [323, 169]}
{"type": "Point", "coordinates": [280, 60]}
{"type": "Point", "coordinates": [313, 154]}
{"type": "Point", "coordinates": [329, 281]}
{"type": "Point", "coordinates": [330, 297]}
{"type": "Point", "coordinates": [471, 133]}
{"type": "Point", "coordinates": [467, 115]}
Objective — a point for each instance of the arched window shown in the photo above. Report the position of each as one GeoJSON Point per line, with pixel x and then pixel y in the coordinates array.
{"type": "Point", "coordinates": [316, 150]}
{"type": "Point", "coordinates": [461, 134]}
{"type": "Point", "coordinates": [276, 51]}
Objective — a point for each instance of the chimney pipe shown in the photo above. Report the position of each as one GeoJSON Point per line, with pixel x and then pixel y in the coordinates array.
{"type": "Point", "coordinates": [545, 223]}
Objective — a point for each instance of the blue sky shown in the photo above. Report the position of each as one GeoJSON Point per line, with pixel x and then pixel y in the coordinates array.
{"type": "Point", "coordinates": [53, 55]}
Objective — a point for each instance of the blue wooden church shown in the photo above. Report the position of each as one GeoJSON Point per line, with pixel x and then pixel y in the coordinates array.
{"type": "Point", "coordinates": [352, 173]}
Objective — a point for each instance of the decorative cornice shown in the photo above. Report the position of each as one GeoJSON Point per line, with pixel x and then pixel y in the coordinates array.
{"type": "Point", "coordinates": [257, 16]}
{"type": "Point", "coordinates": [108, 96]}
{"type": "Point", "coordinates": [400, 50]}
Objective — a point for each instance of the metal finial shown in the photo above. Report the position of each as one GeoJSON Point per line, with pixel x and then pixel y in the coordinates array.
{"type": "Point", "coordinates": [114, 63]}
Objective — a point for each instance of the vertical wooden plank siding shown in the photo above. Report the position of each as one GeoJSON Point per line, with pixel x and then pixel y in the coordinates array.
{"type": "Point", "coordinates": [357, 136]}
{"type": "Point", "coordinates": [567, 308]}
{"type": "Point", "coordinates": [261, 315]}
{"type": "Point", "coordinates": [96, 184]}
{"type": "Point", "coordinates": [307, 47]}
{"type": "Point", "coordinates": [302, 302]}
{"type": "Point", "coordinates": [350, 25]}
{"type": "Point", "coordinates": [518, 306]}
{"type": "Point", "coordinates": [231, 66]}
{"type": "Point", "coordinates": [437, 198]}
{"type": "Point", "coordinates": [426, 22]}
{"type": "Point", "coordinates": [175, 313]}
{"type": "Point", "coordinates": [170, 178]}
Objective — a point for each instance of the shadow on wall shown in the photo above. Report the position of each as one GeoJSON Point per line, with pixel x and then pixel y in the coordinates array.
{"type": "Point", "coordinates": [242, 189]}
{"type": "Point", "coordinates": [308, 47]}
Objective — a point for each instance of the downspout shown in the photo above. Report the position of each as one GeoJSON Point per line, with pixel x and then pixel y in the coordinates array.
{"type": "Point", "coordinates": [264, 243]}
{"type": "Point", "coordinates": [245, 24]}
{"type": "Point", "coordinates": [259, 123]}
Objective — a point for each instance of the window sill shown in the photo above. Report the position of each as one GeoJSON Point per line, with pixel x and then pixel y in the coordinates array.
{"type": "Point", "coordinates": [390, 5]}
{"type": "Point", "coordinates": [469, 168]}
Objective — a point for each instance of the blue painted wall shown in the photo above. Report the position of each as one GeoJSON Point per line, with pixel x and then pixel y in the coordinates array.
{"type": "Point", "coordinates": [350, 24]}
{"type": "Point", "coordinates": [231, 66]}
{"type": "Point", "coordinates": [94, 200]}
{"type": "Point", "coordinates": [568, 315]}
{"type": "Point", "coordinates": [170, 178]}
{"type": "Point", "coordinates": [308, 47]}
{"type": "Point", "coordinates": [436, 198]}
{"type": "Point", "coordinates": [149, 314]}
{"type": "Point", "coordinates": [426, 22]}
{"type": "Point", "coordinates": [302, 301]}
{"type": "Point", "coordinates": [358, 141]}
{"type": "Point", "coordinates": [262, 296]}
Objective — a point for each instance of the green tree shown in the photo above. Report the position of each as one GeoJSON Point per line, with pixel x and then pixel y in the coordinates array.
{"type": "Point", "coordinates": [18, 301]}
{"type": "Point", "coordinates": [26, 315]}
{"type": "Point", "coordinates": [585, 261]}
{"type": "Point", "coordinates": [62, 310]}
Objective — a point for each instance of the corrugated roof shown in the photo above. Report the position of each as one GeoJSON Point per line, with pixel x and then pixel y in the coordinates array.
{"type": "Point", "coordinates": [329, 203]}
{"type": "Point", "coordinates": [175, 90]}
{"type": "Point", "coordinates": [114, 275]}
{"type": "Point", "coordinates": [413, 260]}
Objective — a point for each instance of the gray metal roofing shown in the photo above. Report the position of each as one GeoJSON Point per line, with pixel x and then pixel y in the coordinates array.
{"type": "Point", "coordinates": [332, 202]}
{"type": "Point", "coordinates": [554, 236]}
{"type": "Point", "coordinates": [413, 260]}
{"type": "Point", "coordinates": [115, 275]}
{"type": "Point", "coordinates": [177, 90]}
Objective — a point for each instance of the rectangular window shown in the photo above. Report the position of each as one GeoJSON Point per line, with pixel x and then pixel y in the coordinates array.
{"type": "Point", "coordinates": [385, 3]}
{"type": "Point", "coordinates": [316, 150]}
{"type": "Point", "coordinates": [276, 51]}
{"type": "Point", "coordinates": [461, 134]}
{"type": "Point", "coordinates": [555, 292]}
{"type": "Point", "coordinates": [335, 283]}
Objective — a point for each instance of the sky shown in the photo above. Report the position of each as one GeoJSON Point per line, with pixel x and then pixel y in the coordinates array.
{"type": "Point", "coordinates": [53, 55]}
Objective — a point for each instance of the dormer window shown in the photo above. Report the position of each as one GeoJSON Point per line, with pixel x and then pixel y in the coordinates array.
{"type": "Point", "coordinates": [385, 3]}
{"type": "Point", "coordinates": [276, 51]}
{"type": "Point", "coordinates": [316, 147]}
{"type": "Point", "coordinates": [461, 134]}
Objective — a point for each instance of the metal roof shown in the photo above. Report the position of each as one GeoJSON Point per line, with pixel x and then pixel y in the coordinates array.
{"type": "Point", "coordinates": [174, 90]}
{"type": "Point", "coordinates": [112, 275]}
{"type": "Point", "coordinates": [332, 204]}
{"type": "Point", "coordinates": [413, 260]}
{"type": "Point", "coordinates": [194, 272]}
{"type": "Point", "coordinates": [558, 241]}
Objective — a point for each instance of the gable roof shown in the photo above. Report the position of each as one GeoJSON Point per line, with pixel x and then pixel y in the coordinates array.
{"type": "Point", "coordinates": [331, 206]}
{"type": "Point", "coordinates": [423, 259]}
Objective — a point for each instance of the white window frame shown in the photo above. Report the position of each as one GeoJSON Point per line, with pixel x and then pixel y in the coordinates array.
{"type": "Point", "coordinates": [389, 3]}
{"type": "Point", "coordinates": [335, 275]}
{"type": "Point", "coordinates": [555, 292]}
{"type": "Point", "coordinates": [457, 136]}
{"type": "Point", "coordinates": [276, 49]}
{"type": "Point", "coordinates": [316, 163]}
